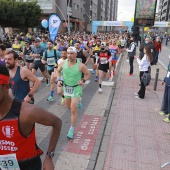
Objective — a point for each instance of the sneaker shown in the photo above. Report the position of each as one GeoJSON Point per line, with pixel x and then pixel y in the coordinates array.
{"type": "Point", "coordinates": [127, 60]}
{"type": "Point", "coordinates": [70, 134]}
{"type": "Point", "coordinates": [166, 120]}
{"type": "Point", "coordinates": [114, 73]}
{"type": "Point", "coordinates": [137, 97]}
{"type": "Point", "coordinates": [136, 94]}
{"type": "Point", "coordinates": [100, 90]}
{"type": "Point", "coordinates": [162, 113]}
{"type": "Point", "coordinates": [79, 106]}
{"type": "Point", "coordinates": [62, 101]}
{"type": "Point", "coordinates": [48, 84]}
{"type": "Point", "coordinates": [128, 74]}
{"type": "Point", "coordinates": [50, 99]}
{"type": "Point", "coordinates": [93, 71]}
{"type": "Point", "coordinates": [96, 78]}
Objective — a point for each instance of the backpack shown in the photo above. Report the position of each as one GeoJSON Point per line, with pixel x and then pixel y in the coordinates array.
{"type": "Point", "coordinates": [55, 54]}
{"type": "Point", "coordinates": [146, 78]}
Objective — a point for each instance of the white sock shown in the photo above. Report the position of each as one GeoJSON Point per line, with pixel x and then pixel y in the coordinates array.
{"type": "Point", "coordinates": [71, 128]}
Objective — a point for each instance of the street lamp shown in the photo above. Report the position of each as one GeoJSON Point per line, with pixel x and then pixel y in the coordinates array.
{"type": "Point", "coordinates": [68, 16]}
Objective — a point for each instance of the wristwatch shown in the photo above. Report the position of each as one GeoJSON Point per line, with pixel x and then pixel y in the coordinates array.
{"type": "Point", "coordinates": [50, 154]}
{"type": "Point", "coordinates": [30, 95]}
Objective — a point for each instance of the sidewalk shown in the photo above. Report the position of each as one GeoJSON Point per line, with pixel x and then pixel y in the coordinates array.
{"type": "Point", "coordinates": [135, 138]}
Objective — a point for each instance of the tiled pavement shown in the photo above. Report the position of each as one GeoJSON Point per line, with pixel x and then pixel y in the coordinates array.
{"type": "Point", "coordinates": [138, 138]}
{"type": "Point", "coordinates": [114, 131]}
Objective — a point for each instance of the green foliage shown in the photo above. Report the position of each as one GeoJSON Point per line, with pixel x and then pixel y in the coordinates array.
{"type": "Point", "coordinates": [16, 13]}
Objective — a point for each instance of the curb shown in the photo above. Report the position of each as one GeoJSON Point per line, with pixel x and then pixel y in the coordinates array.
{"type": "Point", "coordinates": [97, 158]}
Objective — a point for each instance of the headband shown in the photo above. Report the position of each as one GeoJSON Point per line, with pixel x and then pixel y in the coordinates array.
{"type": "Point", "coordinates": [4, 79]}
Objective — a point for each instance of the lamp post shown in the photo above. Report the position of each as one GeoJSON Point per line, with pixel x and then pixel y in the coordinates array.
{"type": "Point", "coordinates": [68, 16]}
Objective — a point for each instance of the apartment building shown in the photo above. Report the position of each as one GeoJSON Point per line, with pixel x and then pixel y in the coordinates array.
{"type": "Point", "coordinates": [79, 12]}
{"type": "Point", "coordinates": [164, 10]}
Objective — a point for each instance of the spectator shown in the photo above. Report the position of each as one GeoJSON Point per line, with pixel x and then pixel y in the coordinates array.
{"type": "Point", "coordinates": [158, 48]}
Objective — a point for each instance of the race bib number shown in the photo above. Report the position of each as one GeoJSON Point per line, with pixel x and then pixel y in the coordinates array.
{"type": "Point", "coordinates": [79, 59]}
{"type": "Point", "coordinates": [51, 61]}
{"type": "Point", "coordinates": [69, 91]}
{"type": "Point", "coordinates": [9, 162]}
{"type": "Point", "coordinates": [103, 60]}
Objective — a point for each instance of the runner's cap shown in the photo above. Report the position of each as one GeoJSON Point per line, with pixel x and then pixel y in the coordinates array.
{"type": "Point", "coordinates": [72, 49]}
{"type": "Point", "coordinates": [103, 44]}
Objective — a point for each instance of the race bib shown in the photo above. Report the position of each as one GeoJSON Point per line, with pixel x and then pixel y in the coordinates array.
{"type": "Point", "coordinates": [79, 59]}
{"type": "Point", "coordinates": [69, 91]}
{"type": "Point", "coordinates": [51, 61]}
{"type": "Point", "coordinates": [103, 60]}
{"type": "Point", "coordinates": [9, 162]}
{"type": "Point", "coordinates": [28, 57]}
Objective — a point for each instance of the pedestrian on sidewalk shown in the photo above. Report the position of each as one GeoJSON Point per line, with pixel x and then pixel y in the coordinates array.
{"type": "Point", "coordinates": [131, 53]}
{"type": "Point", "coordinates": [166, 97]}
{"type": "Point", "coordinates": [144, 67]}
{"type": "Point", "coordinates": [158, 47]}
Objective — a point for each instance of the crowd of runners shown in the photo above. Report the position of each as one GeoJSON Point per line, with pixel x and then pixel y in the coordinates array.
{"type": "Point", "coordinates": [63, 65]}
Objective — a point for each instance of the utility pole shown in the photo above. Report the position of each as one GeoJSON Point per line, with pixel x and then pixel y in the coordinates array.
{"type": "Point", "coordinates": [68, 17]}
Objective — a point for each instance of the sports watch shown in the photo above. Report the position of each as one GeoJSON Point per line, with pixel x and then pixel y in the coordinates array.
{"type": "Point", "coordinates": [50, 154]}
{"type": "Point", "coordinates": [30, 95]}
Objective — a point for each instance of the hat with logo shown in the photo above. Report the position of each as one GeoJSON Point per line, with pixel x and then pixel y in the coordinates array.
{"type": "Point", "coordinates": [72, 49]}
{"type": "Point", "coordinates": [103, 44]}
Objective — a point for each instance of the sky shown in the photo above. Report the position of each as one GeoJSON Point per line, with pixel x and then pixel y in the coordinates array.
{"type": "Point", "coordinates": [126, 9]}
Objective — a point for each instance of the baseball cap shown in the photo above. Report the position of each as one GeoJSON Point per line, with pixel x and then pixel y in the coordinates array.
{"type": "Point", "coordinates": [37, 40]}
{"type": "Point", "coordinates": [72, 49]}
{"type": "Point", "coordinates": [103, 44]}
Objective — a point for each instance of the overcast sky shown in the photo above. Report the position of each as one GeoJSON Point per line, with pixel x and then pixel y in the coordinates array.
{"type": "Point", "coordinates": [126, 9]}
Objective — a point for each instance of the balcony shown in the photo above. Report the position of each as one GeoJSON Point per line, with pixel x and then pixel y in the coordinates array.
{"type": "Point", "coordinates": [69, 11]}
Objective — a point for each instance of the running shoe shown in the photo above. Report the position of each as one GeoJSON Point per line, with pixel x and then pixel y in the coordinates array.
{"type": "Point", "coordinates": [128, 74]}
{"type": "Point", "coordinates": [162, 113]}
{"type": "Point", "coordinates": [114, 73]}
{"type": "Point", "coordinates": [93, 71]}
{"type": "Point", "coordinates": [50, 99]}
{"type": "Point", "coordinates": [62, 101]}
{"type": "Point", "coordinates": [70, 134]}
{"type": "Point", "coordinates": [100, 90]}
{"type": "Point", "coordinates": [166, 120]}
{"type": "Point", "coordinates": [136, 94]}
{"type": "Point", "coordinates": [96, 78]}
{"type": "Point", "coordinates": [109, 76]}
{"type": "Point", "coordinates": [48, 84]}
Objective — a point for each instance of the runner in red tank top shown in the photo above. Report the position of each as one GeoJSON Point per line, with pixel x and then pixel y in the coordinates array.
{"type": "Point", "coordinates": [17, 130]}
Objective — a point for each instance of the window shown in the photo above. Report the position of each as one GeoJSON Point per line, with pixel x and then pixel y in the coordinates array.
{"type": "Point", "coordinates": [81, 10]}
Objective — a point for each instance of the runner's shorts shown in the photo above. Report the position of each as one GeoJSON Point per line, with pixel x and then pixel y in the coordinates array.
{"type": "Point", "coordinates": [104, 67]}
{"type": "Point", "coordinates": [39, 64]}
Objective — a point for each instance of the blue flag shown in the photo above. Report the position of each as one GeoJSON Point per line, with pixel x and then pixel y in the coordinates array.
{"type": "Point", "coordinates": [53, 24]}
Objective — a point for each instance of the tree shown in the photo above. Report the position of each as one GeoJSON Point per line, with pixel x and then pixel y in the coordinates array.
{"type": "Point", "coordinates": [18, 14]}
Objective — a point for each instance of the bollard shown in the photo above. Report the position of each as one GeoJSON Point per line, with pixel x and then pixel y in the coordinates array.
{"type": "Point", "coordinates": [156, 79]}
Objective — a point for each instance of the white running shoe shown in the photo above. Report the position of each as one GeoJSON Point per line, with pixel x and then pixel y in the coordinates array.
{"type": "Point", "coordinates": [100, 90]}
{"type": "Point", "coordinates": [136, 94]}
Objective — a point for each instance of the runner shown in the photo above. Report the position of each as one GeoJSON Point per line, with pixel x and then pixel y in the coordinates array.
{"type": "Point", "coordinates": [114, 50]}
{"type": "Point", "coordinates": [19, 79]}
{"type": "Point", "coordinates": [95, 52]}
{"type": "Point", "coordinates": [104, 58]}
{"type": "Point", "coordinates": [17, 122]}
{"type": "Point", "coordinates": [72, 83]}
{"type": "Point", "coordinates": [37, 54]}
{"type": "Point", "coordinates": [2, 54]}
{"type": "Point", "coordinates": [82, 55]}
{"type": "Point", "coordinates": [27, 54]}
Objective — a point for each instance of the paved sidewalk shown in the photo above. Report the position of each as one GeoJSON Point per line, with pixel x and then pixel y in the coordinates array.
{"type": "Point", "coordinates": [135, 138]}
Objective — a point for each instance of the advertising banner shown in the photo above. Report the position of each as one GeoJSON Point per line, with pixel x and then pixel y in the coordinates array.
{"type": "Point", "coordinates": [145, 12]}
{"type": "Point", "coordinates": [53, 24]}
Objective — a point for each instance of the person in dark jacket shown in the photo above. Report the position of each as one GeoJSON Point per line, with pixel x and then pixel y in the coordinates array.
{"type": "Point", "coordinates": [148, 42]}
{"type": "Point", "coordinates": [131, 53]}
{"type": "Point", "coordinates": [165, 110]}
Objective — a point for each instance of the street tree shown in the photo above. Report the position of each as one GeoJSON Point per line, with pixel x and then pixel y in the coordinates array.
{"type": "Point", "coordinates": [19, 14]}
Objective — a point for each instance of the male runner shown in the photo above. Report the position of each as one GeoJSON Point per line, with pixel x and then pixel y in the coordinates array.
{"type": "Point", "coordinates": [19, 78]}
{"type": "Point", "coordinates": [104, 58]}
{"type": "Point", "coordinates": [72, 83]}
{"type": "Point", "coordinates": [17, 122]}
{"type": "Point", "coordinates": [37, 54]}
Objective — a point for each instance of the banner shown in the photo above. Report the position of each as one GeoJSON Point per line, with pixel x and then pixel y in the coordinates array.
{"type": "Point", "coordinates": [53, 24]}
{"type": "Point", "coordinates": [145, 12]}
{"type": "Point", "coordinates": [113, 23]}
{"type": "Point", "coordinates": [161, 24]}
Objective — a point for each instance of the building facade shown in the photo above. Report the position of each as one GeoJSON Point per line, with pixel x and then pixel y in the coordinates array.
{"type": "Point", "coordinates": [164, 10]}
{"type": "Point", "coordinates": [80, 13]}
